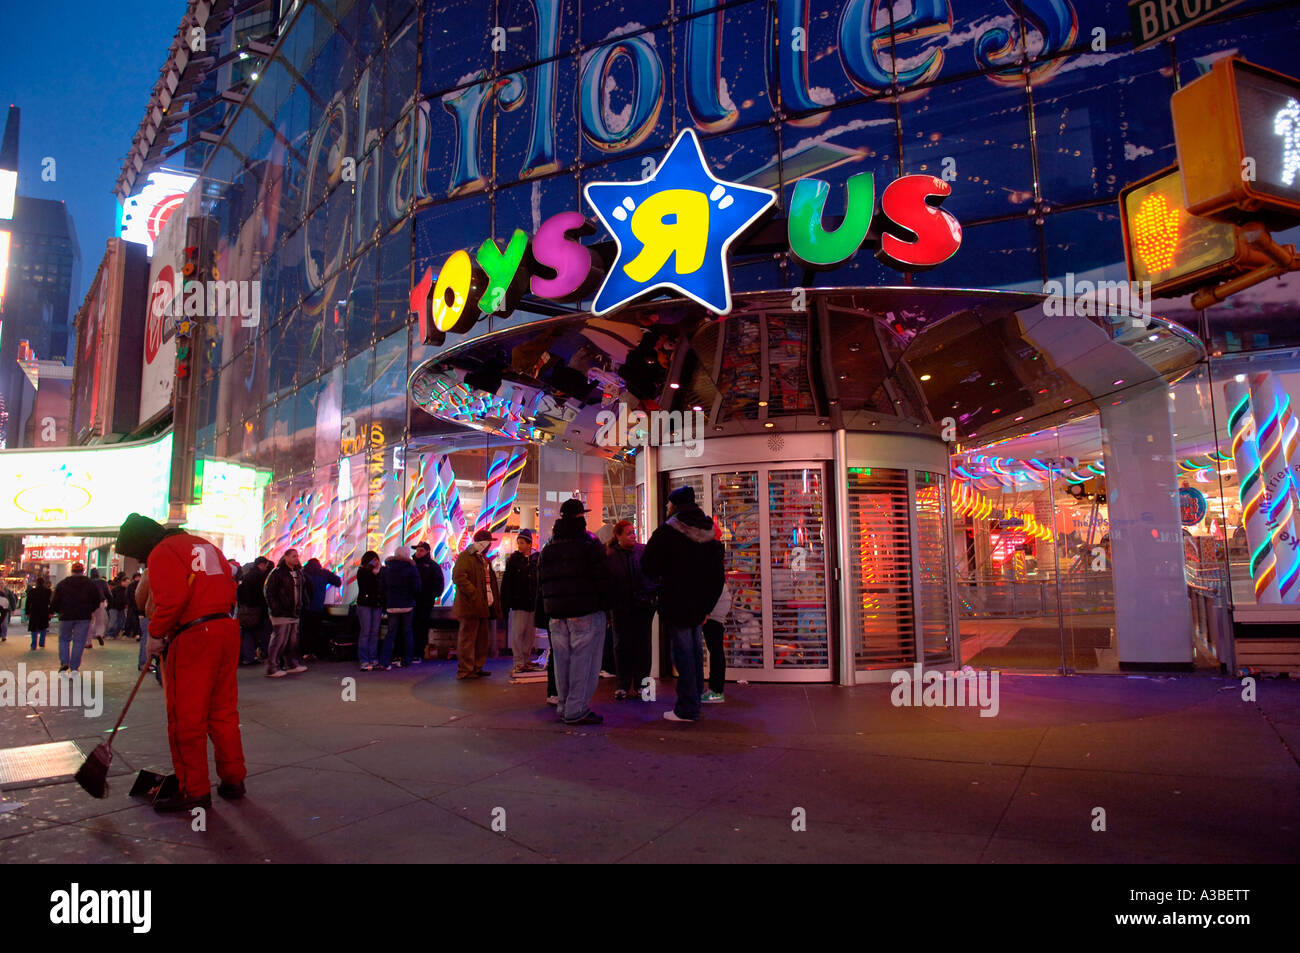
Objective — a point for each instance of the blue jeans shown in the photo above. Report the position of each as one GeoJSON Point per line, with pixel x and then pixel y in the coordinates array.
{"type": "Point", "coordinates": [578, 645]}
{"type": "Point", "coordinates": [368, 639]}
{"type": "Point", "coordinates": [688, 659]}
{"type": "Point", "coordinates": [41, 633]}
{"type": "Point", "coordinates": [116, 620]}
{"type": "Point", "coordinates": [72, 642]}
{"type": "Point", "coordinates": [144, 643]}
{"type": "Point", "coordinates": [399, 627]}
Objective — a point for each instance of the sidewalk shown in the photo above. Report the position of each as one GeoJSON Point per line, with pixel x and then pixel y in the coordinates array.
{"type": "Point", "coordinates": [416, 768]}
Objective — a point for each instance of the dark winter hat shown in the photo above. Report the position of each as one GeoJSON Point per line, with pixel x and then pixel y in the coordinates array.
{"type": "Point", "coordinates": [421, 545]}
{"type": "Point", "coordinates": [138, 536]}
{"type": "Point", "coordinates": [682, 496]}
{"type": "Point", "coordinates": [526, 534]}
{"type": "Point", "coordinates": [573, 507]}
{"type": "Point", "coordinates": [482, 535]}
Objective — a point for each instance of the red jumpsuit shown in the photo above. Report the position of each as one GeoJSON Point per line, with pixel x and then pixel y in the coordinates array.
{"type": "Point", "coordinates": [190, 578]}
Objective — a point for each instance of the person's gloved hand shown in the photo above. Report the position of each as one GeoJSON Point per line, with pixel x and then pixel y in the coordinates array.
{"type": "Point", "coordinates": [155, 647]}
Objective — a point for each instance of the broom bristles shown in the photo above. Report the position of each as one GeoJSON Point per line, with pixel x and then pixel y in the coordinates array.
{"type": "Point", "coordinates": [93, 775]}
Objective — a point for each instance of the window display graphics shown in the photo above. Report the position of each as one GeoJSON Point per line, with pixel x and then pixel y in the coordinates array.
{"type": "Point", "coordinates": [110, 328]}
{"type": "Point", "coordinates": [94, 488]}
{"type": "Point", "coordinates": [231, 505]}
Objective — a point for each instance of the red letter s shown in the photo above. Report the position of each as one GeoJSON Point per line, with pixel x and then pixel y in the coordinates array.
{"type": "Point", "coordinates": [906, 204]}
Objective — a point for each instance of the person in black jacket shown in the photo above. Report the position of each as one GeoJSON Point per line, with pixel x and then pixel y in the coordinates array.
{"type": "Point", "coordinates": [685, 559]}
{"type": "Point", "coordinates": [633, 610]}
{"type": "Point", "coordinates": [287, 590]}
{"type": "Point", "coordinates": [519, 596]}
{"type": "Point", "coordinates": [250, 610]}
{"type": "Point", "coordinates": [370, 610]}
{"type": "Point", "coordinates": [431, 586]}
{"type": "Point", "coordinates": [573, 576]}
{"type": "Point", "coordinates": [37, 605]}
{"type": "Point", "coordinates": [76, 599]}
{"type": "Point", "coordinates": [399, 588]}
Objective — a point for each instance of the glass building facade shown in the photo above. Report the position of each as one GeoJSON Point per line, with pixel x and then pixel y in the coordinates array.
{"type": "Point", "coordinates": [383, 136]}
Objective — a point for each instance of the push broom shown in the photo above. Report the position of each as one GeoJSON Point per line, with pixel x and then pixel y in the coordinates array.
{"type": "Point", "coordinates": [93, 775]}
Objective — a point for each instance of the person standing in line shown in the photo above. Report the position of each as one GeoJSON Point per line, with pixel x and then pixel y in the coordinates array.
{"type": "Point", "coordinates": [573, 575]}
{"type": "Point", "coordinates": [431, 586]}
{"type": "Point", "coordinates": [519, 596]}
{"type": "Point", "coordinates": [251, 610]}
{"type": "Point", "coordinates": [632, 602]}
{"type": "Point", "coordinates": [715, 627]}
{"type": "Point", "coordinates": [313, 610]}
{"type": "Point", "coordinates": [685, 559]}
{"type": "Point", "coordinates": [287, 591]}
{"type": "Point", "coordinates": [75, 600]}
{"type": "Point", "coordinates": [38, 610]}
{"type": "Point", "coordinates": [369, 611]}
{"type": "Point", "coordinates": [478, 602]}
{"type": "Point", "coordinates": [116, 606]}
{"type": "Point", "coordinates": [399, 588]}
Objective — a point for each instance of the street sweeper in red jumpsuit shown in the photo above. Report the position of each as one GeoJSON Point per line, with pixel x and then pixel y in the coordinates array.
{"type": "Point", "coordinates": [193, 590]}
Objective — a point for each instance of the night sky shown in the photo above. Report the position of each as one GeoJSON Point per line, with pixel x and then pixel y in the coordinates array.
{"type": "Point", "coordinates": [82, 73]}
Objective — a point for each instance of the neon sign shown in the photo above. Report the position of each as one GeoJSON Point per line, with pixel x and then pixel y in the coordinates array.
{"type": "Point", "coordinates": [146, 212]}
{"type": "Point", "coordinates": [673, 231]}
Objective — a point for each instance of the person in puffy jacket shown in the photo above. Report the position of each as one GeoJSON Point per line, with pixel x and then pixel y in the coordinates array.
{"type": "Point", "coordinates": [632, 609]}
{"type": "Point", "coordinates": [399, 589]}
{"type": "Point", "coordinates": [76, 599]}
{"type": "Point", "coordinates": [287, 590]}
{"type": "Point", "coordinates": [369, 611]}
{"type": "Point", "coordinates": [192, 591]}
{"type": "Point", "coordinates": [478, 602]}
{"type": "Point", "coordinates": [686, 561]}
{"type": "Point", "coordinates": [519, 596]}
{"type": "Point", "coordinates": [312, 631]}
{"type": "Point", "coordinates": [431, 586]}
{"type": "Point", "coordinates": [37, 605]}
{"type": "Point", "coordinates": [573, 577]}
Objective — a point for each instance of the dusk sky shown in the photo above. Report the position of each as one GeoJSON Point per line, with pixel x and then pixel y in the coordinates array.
{"type": "Point", "coordinates": [82, 74]}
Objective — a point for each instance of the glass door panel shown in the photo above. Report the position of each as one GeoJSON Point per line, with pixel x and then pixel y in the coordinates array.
{"type": "Point", "coordinates": [880, 568]}
{"type": "Point", "coordinates": [797, 547]}
{"type": "Point", "coordinates": [735, 507]}
{"type": "Point", "coordinates": [933, 557]}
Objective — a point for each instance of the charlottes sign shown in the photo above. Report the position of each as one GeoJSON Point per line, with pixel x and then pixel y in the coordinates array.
{"type": "Point", "coordinates": [673, 231]}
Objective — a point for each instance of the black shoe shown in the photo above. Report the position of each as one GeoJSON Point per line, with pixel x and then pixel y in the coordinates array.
{"type": "Point", "coordinates": [482, 673]}
{"type": "Point", "coordinates": [231, 792]}
{"type": "Point", "coordinates": [590, 718]}
{"type": "Point", "coordinates": [63, 668]}
{"type": "Point", "coordinates": [181, 802]}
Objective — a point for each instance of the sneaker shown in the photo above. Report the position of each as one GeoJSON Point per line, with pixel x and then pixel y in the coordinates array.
{"type": "Point", "coordinates": [367, 667]}
{"type": "Point", "coordinates": [231, 792]}
{"type": "Point", "coordinates": [553, 700]}
{"type": "Point", "coordinates": [278, 673]}
{"type": "Point", "coordinates": [417, 661]}
{"type": "Point", "coordinates": [671, 715]}
{"type": "Point", "coordinates": [619, 694]}
{"type": "Point", "coordinates": [181, 802]}
{"type": "Point", "coordinates": [590, 718]}
{"type": "Point", "coordinates": [605, 674]}
{"type": "Point", "coordinates": [384, 668]}
{"type": "Point", "coordinates": [481, 673]}
{"type": "Point", "coordinates": [396, 665]}
{"type": "Point", "coordinates": [297, 669]}
{"type": "Point", "coordinates": [62, 669]}
{"type": "Point", "coordinates": [712, 698]}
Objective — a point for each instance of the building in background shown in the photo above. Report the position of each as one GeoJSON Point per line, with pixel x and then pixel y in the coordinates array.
{"type": "Point", "coordinates": [39, 264]}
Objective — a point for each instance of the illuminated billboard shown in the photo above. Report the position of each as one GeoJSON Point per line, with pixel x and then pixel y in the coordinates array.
{"type": "Point", "coordinates": [231, 505]}
{"type": "Point", "coordinates": [8, 190]}
{"type": "Point", "coordinates": [91, 488]}
{"type": "Point", "coordinates": [146, 213]}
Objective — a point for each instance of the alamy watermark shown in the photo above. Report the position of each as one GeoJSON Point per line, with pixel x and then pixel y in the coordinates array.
{"type": "Point", "coordinates": [208, 299]}
{"type": "Point", "coordinates": [658, 428]}
{"type": "Point", "coordinates": [935, 689]}
{"type": "Point", "coordinates": [1086, 298]}
{"type": "Point", "coordinates": [42, 689]}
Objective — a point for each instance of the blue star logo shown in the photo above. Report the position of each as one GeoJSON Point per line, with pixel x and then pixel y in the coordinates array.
{"type": "Point", "coordinates": [674, 228]}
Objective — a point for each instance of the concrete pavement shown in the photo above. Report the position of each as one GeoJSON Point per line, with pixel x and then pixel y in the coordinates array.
{"type": "Point", "coordinates": [421, 767]}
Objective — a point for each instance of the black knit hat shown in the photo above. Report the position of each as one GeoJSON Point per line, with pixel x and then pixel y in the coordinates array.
{"type": "Point", "coordinates": [138, 536]}
{"type": "Point", "coordinates": [682, 496]}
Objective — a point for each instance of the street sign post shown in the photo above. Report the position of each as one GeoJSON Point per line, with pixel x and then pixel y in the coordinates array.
{"type": "Point", "coordinates": [1154, 20]}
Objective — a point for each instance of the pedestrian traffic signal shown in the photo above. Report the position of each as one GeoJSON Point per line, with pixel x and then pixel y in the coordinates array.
{"type": "Point", "coordinates": [1237, 129]}
{"type": "Point", "coordinates": [1165, 245]}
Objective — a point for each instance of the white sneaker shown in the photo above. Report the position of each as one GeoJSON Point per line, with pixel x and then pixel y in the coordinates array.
{"type": "Point", "coordinates": [605, 674]}
{"type": "Point", "coordinates": [553, 699]}
{"type": "Point", "coordinates": [297, 669]}
{"type": "Point", "coordinates": [671, 715]}
{"type": "Point", "coordinates": [278, 673]}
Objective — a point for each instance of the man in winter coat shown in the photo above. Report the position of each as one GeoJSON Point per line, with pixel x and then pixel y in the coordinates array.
{"type": "Point", "coordinates": [519, 596]}
{"type": "Point", "coordinates": [193, 593]}
{"type": "Point", "coordinates": [251, 611]}
{"type": "Point", "coordinates": [573, 575]}
{"type": "Point", "coordinates": [76, 598]}
{"type": "Point", "coordinates": [478, 602]}
{"type": "Point", "coordinates": [116, 606]}
{"type": "Point", "coordinates": [287, 590]}
{"type": "Point", "coordinates": [399, 590]}
{"type": "Point", "coordinates": [312, 633]}
{"type": "Point", "coordinates": [685, 559]}
{"type": "Point", "coordinates": [632, 604]}
{"type": "Point", "coordinates": [431, 586]}
{"type": "Point", "coordinates": [37, 605]}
